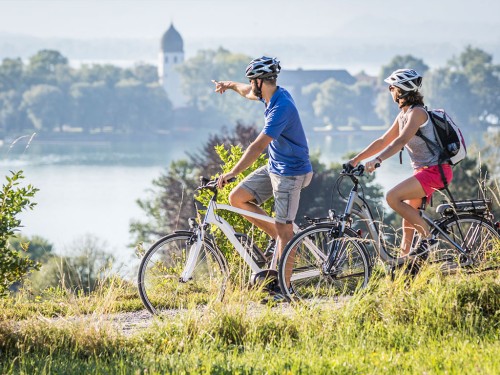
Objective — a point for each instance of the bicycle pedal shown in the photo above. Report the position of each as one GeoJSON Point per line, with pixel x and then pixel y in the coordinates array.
{"type": "Point", "coordinates": [267, 277]}
{"type": "Point", "coordinates": [465, 262]}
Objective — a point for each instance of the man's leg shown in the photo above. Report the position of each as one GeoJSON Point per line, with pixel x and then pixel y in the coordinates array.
{"type": "Point", "coordinates": [286, 192]}
{"type": "Point", "coordinates": [284, 235]}
{"type": "Point", "coordinates": [242, 198]}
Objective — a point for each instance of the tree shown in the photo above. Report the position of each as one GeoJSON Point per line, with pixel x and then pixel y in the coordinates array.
{"type": "Point", "coordinates": [81, 271]}
{"type": "Point", "coordinates": [14, 266]}
{"type": "Point", "coordinates": [364, 97]}
{"type": "Point", "coordinates": [36, 247]}
{"type": "Point", "coordinates": [140, 108]}
{"type": "Point", "coordinates": [109, 74]}
{"type": "Point", "coordinates": [12, 119]}
{"type": "Point", "coordinates": [146, 73]}
{"type": "Point", "coordinates": [451, 90]}
{"type": "Point", "coordinates": [334, 102]}
{"type": "Point", "coordinates": [90, 105]}
{"type": "Point", "coordinates": [45, 106]}
{"type": "Point", "coordinates": [43, 66]}
{"type": "Point", "coordinates": [197, 74]}
{"type": "Point", "coordinates": [484, 79]}
{"type": "Point", "coordinates": [11, 75]}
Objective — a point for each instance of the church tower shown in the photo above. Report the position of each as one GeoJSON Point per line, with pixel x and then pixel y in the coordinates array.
{"type": "Point", "coordinates": [171, 56]}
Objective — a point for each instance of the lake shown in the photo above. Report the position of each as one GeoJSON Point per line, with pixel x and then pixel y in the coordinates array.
{"type": "Point", "coordinates": [93, 188]}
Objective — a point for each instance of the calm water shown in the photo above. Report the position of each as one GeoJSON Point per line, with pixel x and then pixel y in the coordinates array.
{"type": "Point", "coordinates": [92, 189]}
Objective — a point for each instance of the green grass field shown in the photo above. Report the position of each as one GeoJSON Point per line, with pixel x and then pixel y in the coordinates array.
{"type": "Point", "coordinates": [431, 325]}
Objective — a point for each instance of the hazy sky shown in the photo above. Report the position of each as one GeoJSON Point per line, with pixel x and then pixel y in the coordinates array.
{"type": "Point", "coordinates": [455, 21]}
{"type": "Point", "coordinates": [312, 34]}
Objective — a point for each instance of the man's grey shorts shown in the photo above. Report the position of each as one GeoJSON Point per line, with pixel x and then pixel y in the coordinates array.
{"type": "Point", "coordinates": [285, 189]}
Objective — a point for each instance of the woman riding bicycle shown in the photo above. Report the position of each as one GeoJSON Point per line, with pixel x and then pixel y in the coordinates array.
{"type": "Point", "coordinates": [406, 197]}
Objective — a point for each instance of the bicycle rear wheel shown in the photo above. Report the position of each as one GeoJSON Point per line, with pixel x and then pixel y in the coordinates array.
{"type": "Point", "coordinates": [477, 236]}
{"type": "Point", "coordinates": [303, 258]}
{"type": "Point", "coordinates": [159, 279]}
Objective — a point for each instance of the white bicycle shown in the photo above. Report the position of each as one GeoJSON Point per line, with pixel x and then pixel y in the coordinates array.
{"type": "Point", "coordinates": [187, 266]}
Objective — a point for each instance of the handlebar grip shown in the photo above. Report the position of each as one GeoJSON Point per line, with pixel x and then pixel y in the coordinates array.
{"type": "Point", "coordinates": [377, 165]}
{"type": "Point", "coordinates": [347, 168]}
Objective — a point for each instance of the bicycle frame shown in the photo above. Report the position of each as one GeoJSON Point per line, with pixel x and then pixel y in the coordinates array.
{"type": "Point", "coordinates": [361, 208]}
{"type": "Point", "coordinates": [212, 218]}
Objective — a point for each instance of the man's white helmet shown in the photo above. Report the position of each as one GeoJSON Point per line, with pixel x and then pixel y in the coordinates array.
{"type": "Point", "coordinates": [406, 79]}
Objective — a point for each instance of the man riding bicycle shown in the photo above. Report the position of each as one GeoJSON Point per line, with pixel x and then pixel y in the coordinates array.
{"type": "Point", "coordinates": [289, 169]}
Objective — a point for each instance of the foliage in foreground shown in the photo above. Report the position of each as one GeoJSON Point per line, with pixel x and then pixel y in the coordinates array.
{"type": "Point", "coordinates": [13, 199]}
{"type": "Point", "coordinates": [432, 325]}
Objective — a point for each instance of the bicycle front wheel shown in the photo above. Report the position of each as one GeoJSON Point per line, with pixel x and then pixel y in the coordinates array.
{"type": "Point", "coordinates": [159, 279]}
{"type": "Point", "coordinates": [301, 273]}
{"type": "Point", "coordinates": [474, 234]}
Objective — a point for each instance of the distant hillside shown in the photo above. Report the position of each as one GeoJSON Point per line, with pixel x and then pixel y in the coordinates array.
{"type": "Point", "coordinates": [307, 53]}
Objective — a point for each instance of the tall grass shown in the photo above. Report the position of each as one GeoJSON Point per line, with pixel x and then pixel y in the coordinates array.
{"type": "Point", "coordinates": [432, 324]}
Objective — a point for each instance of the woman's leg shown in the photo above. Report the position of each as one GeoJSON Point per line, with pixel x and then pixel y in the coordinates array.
{"type": "Point", "coordinates": [408, 228]}
{"type": "Point", "coordinates": [405, 199]}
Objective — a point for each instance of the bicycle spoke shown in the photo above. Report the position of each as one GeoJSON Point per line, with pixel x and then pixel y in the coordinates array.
{"type": "Point", "coordinates": [161, 286]}
{"type": "Point", "coordinates": [477, 237]}
{"type": "Point", "coordinates": [305, 256]}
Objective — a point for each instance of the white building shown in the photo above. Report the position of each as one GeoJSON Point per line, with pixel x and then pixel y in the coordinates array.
{"type": "Point", "coordinates": [171, 56]}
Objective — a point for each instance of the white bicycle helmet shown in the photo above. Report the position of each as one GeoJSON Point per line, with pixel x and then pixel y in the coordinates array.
{"type": "Point", "coordinates": [263, 67]}
{"type": "Point", "coordinates": [406, 79]}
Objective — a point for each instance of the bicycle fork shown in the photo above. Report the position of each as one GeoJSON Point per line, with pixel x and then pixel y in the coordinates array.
{"type": "Point", "coordinates": [194, 252]}
{"type": "Point", "coordinates": [333, 252]}
{"type": "Point", "coordinates": [334, 249]}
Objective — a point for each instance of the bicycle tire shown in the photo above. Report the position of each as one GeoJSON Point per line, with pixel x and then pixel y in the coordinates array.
{"type": "Point", "coordinates": [159, 282]}
{"type": "Point", "coordinates": [477, 236]}
{"type": "Point", "coordinates": [307, 280]}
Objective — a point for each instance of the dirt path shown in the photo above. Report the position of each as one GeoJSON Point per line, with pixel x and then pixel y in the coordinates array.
{"type": "Point", "coordinates": [129, 323]}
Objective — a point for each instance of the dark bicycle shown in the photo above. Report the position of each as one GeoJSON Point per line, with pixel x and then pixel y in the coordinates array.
{"type": "Point", "coordinates": [468, 238]}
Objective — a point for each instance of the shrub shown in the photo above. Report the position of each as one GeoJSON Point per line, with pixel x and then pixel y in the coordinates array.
{"type": "Point", "coordinates": [14, 265]}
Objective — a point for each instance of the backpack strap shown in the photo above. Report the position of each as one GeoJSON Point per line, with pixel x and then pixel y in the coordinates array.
{"type": "Point", "coordinates": [443, 177]}
{"type": "Point", "coordinates": [445, 182]}
{"type": "Point", "coordinates": [427, 141]}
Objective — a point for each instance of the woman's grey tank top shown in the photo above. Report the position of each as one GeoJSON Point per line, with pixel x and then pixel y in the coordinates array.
{"type": "Point", "coordinates": [419, 152]}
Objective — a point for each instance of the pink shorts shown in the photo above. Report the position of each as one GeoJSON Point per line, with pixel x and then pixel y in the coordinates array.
{"type": "Point", "coordinates": [430, 178]}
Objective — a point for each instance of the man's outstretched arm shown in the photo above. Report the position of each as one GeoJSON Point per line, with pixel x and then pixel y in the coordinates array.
{"type": "Point", "coordinates": [244, 89]}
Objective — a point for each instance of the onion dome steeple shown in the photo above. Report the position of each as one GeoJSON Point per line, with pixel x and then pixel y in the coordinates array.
{"type": "Point", "coordinates": [172, 41]}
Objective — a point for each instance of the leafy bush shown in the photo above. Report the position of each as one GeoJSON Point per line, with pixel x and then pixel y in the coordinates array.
{"type": "Point", "coordinates": [229, 159]}
{"type": "Point", "coordinates": [13, 199]}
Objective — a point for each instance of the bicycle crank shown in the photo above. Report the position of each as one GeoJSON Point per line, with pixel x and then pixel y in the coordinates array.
{"type": "Point", "coordinates": [268, 278]}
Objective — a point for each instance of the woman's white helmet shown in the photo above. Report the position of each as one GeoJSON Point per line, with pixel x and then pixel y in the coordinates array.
{"type": "Point", "coordinates": [263, 67]}
{"type": "Point", "coordinates": [406, 79]}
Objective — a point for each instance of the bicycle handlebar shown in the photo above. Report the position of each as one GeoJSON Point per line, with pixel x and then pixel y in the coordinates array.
{"type": "Point", "coordinates": [349, 170]}
{"type": "Point", "coordinates": [206, 183]}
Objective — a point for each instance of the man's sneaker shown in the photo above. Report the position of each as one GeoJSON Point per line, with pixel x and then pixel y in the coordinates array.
{"type": "Point", "coordinates": [275, 296]}
{"type": "Point", "coordinates": [423, 250]}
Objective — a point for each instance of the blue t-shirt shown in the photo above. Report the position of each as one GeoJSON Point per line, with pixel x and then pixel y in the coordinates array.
{"type": "Point", "coordinates": [288, 151]}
